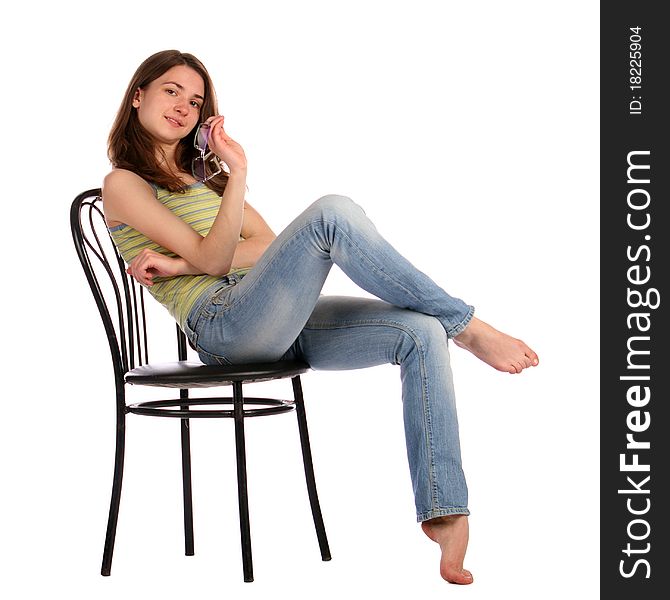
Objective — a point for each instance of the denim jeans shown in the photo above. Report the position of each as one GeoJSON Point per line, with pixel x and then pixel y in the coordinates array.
{"type": "Point", "coordinates": [276, 311]}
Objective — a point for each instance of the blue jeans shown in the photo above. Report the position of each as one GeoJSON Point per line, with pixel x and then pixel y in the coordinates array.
{"type": "Point", "coordinates": [276, 311]}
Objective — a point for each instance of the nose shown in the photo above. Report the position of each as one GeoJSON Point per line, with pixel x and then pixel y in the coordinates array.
{"type": "Point", "coordinates": [182, 107]}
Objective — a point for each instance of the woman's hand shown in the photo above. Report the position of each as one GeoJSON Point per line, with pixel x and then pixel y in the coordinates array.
{"type": "Point", "coordinates": [149, 264]}
{"type": "Point", "coordinates": [227, 149]}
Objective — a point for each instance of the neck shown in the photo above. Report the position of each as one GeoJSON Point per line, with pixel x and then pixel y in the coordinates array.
{"type": "Point", "coordinates": [166, 156]}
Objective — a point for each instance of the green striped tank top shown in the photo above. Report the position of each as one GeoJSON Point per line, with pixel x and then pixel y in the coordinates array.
{"type": "Point", "coordinates": [198, 207]}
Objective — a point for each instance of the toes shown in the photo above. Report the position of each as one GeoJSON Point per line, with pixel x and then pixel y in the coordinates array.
{"type": "Point", "coordinates": [458, 576]}
{"type": "Point", "coordinates": [532, 357]}
{"type": "Point", "coordinates": [533, 361]}
{"type": "Point", "coordinates": [467, 576]}
{"type": "Point", "coordinates": [529, 359]}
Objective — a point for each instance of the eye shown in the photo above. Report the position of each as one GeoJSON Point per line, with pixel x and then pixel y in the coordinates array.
{"type": "Point", "coordinates": [194, 104]}
{"type": "Point", "coordinates": [171, 91]}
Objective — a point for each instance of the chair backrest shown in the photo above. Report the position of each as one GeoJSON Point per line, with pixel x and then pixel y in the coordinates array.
{"type": "Point", "coordinates": [120, 299]}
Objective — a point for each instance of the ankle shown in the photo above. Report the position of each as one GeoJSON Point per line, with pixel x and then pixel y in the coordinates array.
{"type": "Point", "coordinates": [469, 332]}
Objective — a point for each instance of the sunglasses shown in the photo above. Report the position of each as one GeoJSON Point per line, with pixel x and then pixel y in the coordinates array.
{"type": "Point", "coordinates": [207, 165]}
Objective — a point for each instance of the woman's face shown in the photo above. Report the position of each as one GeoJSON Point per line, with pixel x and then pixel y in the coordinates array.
{"type": "Point", "coordinates": [169, 107]}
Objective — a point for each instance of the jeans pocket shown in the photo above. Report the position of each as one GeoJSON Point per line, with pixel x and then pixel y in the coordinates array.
{"type": "Point", "coordinates": [222, 298]}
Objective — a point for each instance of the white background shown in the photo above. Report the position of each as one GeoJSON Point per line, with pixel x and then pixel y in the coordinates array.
{"type": "Point", "coordinates": [469, 133]}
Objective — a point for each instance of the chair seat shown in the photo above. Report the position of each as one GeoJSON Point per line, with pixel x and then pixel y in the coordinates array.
{"type": "Point", "coordinates": [190, 374]}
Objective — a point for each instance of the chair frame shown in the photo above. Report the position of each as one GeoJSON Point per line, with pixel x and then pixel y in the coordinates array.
{"type": "Point", "coordinates": [126, 329]}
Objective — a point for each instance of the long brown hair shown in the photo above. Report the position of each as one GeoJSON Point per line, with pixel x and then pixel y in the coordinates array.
{"type": "Point", "coordinates": [131, 146]}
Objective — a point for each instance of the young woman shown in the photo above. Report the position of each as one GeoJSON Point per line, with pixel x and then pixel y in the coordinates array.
{"type": "Point", "coordinates": [242, 294]}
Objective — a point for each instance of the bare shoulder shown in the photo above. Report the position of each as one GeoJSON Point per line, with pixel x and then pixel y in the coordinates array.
{"type": "Point", "coordinates": [122, 180]}
{"type": "Point", "coordinates": [119, 187]}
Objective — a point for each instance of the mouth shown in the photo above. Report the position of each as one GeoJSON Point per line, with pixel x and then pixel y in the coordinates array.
{"type": "Point", "coordinates": [174, 122]}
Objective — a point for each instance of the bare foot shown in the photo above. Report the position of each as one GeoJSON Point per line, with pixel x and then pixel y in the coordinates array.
{"type": "Point", "coordinates": [451, 533]}
{"type": "Point", "coordinates": [501, 351]}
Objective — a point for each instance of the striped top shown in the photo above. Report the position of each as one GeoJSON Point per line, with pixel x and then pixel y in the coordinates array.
{"type": "Point", "coordinates": [198, 207]}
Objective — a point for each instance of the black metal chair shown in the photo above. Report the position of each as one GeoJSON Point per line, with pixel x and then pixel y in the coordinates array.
{"type": "Point", "coordinates": [125, 322]}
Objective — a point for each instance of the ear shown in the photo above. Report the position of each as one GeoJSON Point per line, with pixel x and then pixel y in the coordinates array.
{"type": "Point", "coordinates": [137, 97]}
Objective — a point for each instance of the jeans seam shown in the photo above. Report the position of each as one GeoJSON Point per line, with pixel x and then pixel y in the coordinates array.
{"type": "Point", "coordinates": [425, 398]}
{"type": "Point", "coordinates": [342, 325]}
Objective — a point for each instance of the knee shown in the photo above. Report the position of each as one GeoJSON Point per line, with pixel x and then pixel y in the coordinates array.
{"type": "Point", "coordinates": [421, 333]}
{"type": "Point", "coordinates": [428, 331]}
{"type": "Point", "coordinates": [334, 206]}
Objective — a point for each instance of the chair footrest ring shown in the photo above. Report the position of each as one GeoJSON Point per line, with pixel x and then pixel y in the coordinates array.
{"type": "Point", "coordinates": [164, 408]}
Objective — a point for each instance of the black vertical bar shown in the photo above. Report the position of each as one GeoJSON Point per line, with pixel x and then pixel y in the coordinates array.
{"type": "Point", "coordinates": [243, 500]}
{"type": "Point", "coordinates": [144, 328]}
{"type": "Point", "coordinates": [189, 548]}
{"type": "Point", "coordinates": [635, 163]}
{"type": "Point", "coordinates": [186, 457]}
{"type": "Point", "coordinates": [309, 469]}
{"type": "Point", "coordinates": [117, 482]}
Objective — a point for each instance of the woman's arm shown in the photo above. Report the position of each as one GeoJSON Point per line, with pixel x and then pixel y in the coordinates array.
{"type": "Point", "coordinates": [129, 199]}
{"type": "Point", "coordinates": [149, 264]}
{"type": "Point", "coordinates": [257, 237]}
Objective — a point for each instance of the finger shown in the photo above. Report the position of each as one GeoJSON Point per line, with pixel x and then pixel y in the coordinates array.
{"type": "Point", "coordinates": [218, 128]}
{"type": "Point", "coordinates": [143, 271]}
{"type": "Point", "coordinates": [214, 121]}
{"type": "Point", "coordinates": [136, 268]}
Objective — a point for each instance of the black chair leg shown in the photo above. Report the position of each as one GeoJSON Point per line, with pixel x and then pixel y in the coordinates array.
{"type": "Point", "coordinates": [116, 494]}
{"type": "Point", "coordinates": [243, 500]}
{"type": "Point", "coordinates": [186, 456]}
{"type": "Point", "coordinates": [309, 469]}
{"type": "Point", "coordinates": [186, 479]}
